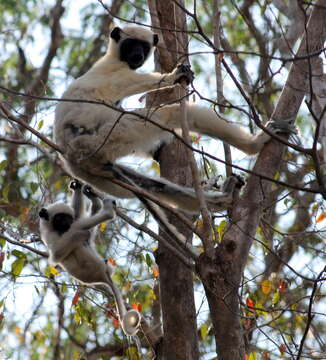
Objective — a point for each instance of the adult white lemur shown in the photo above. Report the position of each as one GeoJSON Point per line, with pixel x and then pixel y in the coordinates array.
{"type": "Point", "coordinates": [95, 136]}
{"type": "Point", "coordinates": [69, 233]}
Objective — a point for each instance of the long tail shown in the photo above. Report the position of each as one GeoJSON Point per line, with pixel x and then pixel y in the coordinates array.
{"type": "Point", "coordinates": [129, 319]}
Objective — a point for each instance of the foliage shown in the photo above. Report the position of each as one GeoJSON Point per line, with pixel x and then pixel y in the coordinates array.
{"type": "Point", "coordinates": [58, 317]}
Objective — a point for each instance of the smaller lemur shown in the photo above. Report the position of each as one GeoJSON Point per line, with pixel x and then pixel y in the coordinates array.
{"type": "Point", "coordinates": [69, 234]}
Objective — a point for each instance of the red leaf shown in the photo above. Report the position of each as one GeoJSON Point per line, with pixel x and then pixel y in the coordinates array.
{"type": "Point", "coordinates": [2, 258]}
{"type": "Point", "coordinates": [112, 261]}
{"type": "Point", "coordinates": [75, 298]}
{"type": "Point", "coordinates": [137, 307]}
{"type": "Point", "coordinates": [321, 217]}
{"type": "Point", "coordinates": [282, 286]}
{"type": "Point", "coordinates": [250, 303]}
{"type": "Point", "coordinates": [155, 271]}
{"type": "Point", "coordinates": [282, 348]}
{"type": "Point", "coordinates": [116, 323]}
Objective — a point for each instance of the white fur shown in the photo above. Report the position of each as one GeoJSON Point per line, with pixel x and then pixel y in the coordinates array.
{"type": "Point", "coordinates": [104, 136]}
{"type": "Point", "coordinates": [74, 251]}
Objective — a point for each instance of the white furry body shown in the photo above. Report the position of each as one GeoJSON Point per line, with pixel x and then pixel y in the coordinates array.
{"type": "Point", "coordinates": [91, 135]}
{"type": "Point", "coordinates": [74, 250]}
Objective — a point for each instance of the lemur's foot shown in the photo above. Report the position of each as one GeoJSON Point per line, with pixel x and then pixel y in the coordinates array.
{"type": "Point", "coordinates": [282, 127]}
{"type": "Point", "coordinates": [89, 192]}
{"type": "Point", "coordinates": [212, 183]}
{"type": "Point", "coordinates": [223, 199]}
{"type": "Point", "coordinates": [232, 182]}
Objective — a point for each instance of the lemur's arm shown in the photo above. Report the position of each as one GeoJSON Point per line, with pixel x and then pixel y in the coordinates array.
{"type": "Point", "coordinates": [106, 213]}
{"type": "Point", "coordinates": [94, 198]}
{"type": "Point", "coordinates": [134, 83]}
{"type": "Point", "coordinates": [77, 203]}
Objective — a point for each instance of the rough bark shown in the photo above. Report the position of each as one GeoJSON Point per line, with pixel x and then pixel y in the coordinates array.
{"type": "Point", "coordinates": [180, 341]}
{"type": "Point", "coordinates": [222, 274]}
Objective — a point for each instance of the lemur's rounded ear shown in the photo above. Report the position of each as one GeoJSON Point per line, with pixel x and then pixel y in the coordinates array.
{"type": "Point", "coordinates": [44, 214]}
{"type": "Point", "coordinates": [115, 34]}
{"type": "Point", "coordinates": [155, 39]}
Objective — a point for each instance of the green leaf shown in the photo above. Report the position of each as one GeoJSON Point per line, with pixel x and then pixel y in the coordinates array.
{"type": "Point", "coordinates": [19, 254]}
{"type": "Point", "coordinates": [51, 270]}
{"type": "Point", "coordinates": [5, 192]}
{"type": "Point", "coordinates": [3, 164]}
{"type": "Point", "coordinates": [2, 242]}
{"type": "Point", "coordinates": [132, 353]}
{"type": "Point", "coordinates": [77, 317]}
{"type": "Point", "coordinates": [204, 331]}
{"type": "Point", "coordinates": [276, 298]}
{"type": "Point", "coordinates": [64, 288]}
{"type": "Point", "coordinates": [17, 267]}
{"type": "Point", "coordinates": [149, 260]}
{"type": "Point", "coordinates": [34, 187]}
{"type": "Point", "coordinates": [40, 125]}
{"type": "Point", "coordinates": [221, 229]}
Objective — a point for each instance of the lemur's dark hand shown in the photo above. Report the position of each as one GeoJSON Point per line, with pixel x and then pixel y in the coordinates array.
{"type": "Point", "coordinates": [184, 74]}
{"type": "Point", "coordinates": [89, 192]}
{"type": "Point", "coordinates": [75, 185]}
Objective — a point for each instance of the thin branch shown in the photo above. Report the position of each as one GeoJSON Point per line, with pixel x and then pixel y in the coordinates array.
{"type": "Point", "coordinates": [7, 114]}
{"type": "Point", "coordinates": [255, 173]}
{"type": "Point", "coordinates": [141, 23]}
{"type": "Point", "coordinates": [18, 243]}
{"type": "Point", "coordinates": [180, 255]}
{"type": "Point", "coordinates": [24, 141]}
{"type": "Point", "coordinates": [143, 196]}
{"type": "Point", "coordinates": [38, 83]}
{"type": "Point", "coordinates": [142, 193]}
{"type": "Point", "coordinates": [310, 315]}
{"type": "Point", "coordinates": [216, 19]}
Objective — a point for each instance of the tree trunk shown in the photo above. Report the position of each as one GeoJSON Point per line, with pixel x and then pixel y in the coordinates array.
{"type": "Point", "coordinates": [180, 341]}
{"type": "Point", "coordinates": [222, 274]}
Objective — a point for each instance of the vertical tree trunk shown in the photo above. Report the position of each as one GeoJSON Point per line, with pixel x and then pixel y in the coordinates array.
{"type": "Point", "coordinates": [180, 340]}
{"type": "Point", "coordinates": [222, 274]}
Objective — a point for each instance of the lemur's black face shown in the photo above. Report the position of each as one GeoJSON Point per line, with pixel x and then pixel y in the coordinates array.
{"type": "Point", "coordinates": [134, 52]}
{"type": "Point", "coordinates": [60, 222]}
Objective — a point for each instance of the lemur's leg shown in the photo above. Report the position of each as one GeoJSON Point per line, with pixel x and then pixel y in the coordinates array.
{"type": "Point", "coordinates": [78, 203]}
{"type": "Point", "coordinates": [206, 121]}
{"type": "Point", "coordinates": [182, 197]}
{"type": "Point", "coordinates": [96, 206]}
{"type": "Point", "coordinates": [94, 198]}
{"type": "Point", "coordinates": [185, 198]}
{"type": "Point", "coordinates": [106, 213]}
